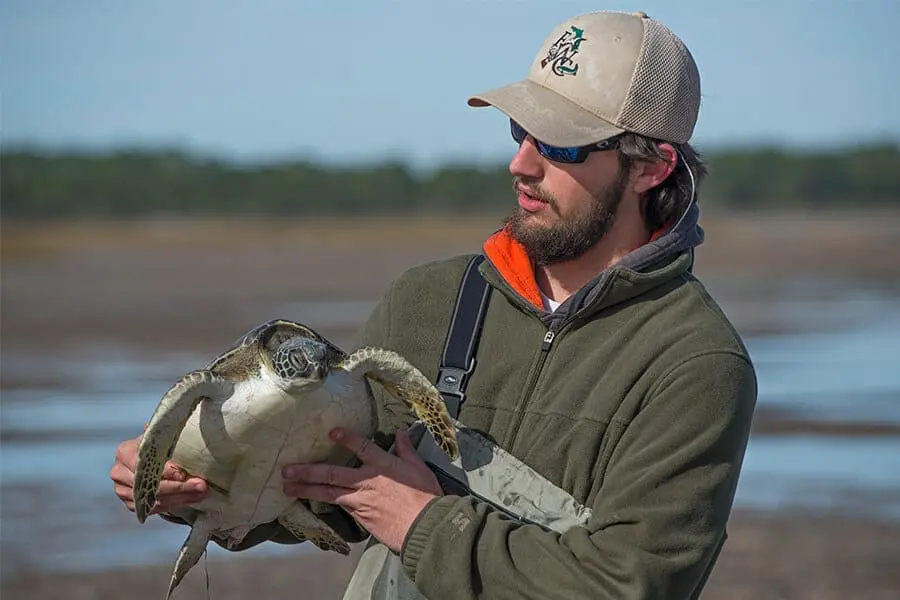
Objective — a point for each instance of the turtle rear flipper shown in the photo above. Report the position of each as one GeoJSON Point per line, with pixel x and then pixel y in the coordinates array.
{"type": "Point", "coordinates": [164, 428]}
{"type": "Point", "coordinates": [405, 382]}
{"type": "Point", "coordinates": [304, 525]}
{"type": "Point", "coordinates": [192, 549]}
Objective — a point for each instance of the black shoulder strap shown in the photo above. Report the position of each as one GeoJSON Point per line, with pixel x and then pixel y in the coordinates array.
{"type": "Point", "coordinates": [458, 359]}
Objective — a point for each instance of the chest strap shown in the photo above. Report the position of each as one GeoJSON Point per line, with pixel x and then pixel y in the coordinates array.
{"type": "Point", "coordinates": [458, 358]}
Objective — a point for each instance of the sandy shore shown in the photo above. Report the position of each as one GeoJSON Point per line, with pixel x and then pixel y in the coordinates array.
{"type": "Point", "coordinates": [785, 557]}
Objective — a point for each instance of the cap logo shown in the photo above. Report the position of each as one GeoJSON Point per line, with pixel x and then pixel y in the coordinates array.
{"type": "Point", "coordinates": [561, 55]}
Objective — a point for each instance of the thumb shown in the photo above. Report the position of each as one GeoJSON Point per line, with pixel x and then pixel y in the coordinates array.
{"type": "Point", "coordinates": [403, 444]}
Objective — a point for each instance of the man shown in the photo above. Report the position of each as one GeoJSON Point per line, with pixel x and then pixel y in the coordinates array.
{"type": "Point", "coordinates": [606, 375]}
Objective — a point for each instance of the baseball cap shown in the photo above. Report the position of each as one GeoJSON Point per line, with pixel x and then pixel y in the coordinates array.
{"type": "Point", "coordinates": [600, 74]}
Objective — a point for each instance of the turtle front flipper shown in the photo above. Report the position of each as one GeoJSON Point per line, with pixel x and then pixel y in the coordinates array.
{"type": "Point", "coordinates": [164, 429]}
{"type": "Point", "coordinates": [405, 382]}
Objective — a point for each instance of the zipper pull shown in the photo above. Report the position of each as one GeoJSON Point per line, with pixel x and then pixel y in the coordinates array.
{"type": "Point", "coordinates": [548, 341]}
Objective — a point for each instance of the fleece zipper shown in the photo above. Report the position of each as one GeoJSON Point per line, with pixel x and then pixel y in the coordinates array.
{"type": "Point", "coordinates": [546, 344]}
{"type": "Point", "coordinates": [572, 311]}
{"type": "Point", "coordinates": [518, 414]}
{"type": "Point", "coordinates": [555, 327]}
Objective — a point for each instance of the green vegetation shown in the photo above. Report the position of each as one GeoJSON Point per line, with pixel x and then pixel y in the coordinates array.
{"type": "Point", "coordinates": [130, 184]}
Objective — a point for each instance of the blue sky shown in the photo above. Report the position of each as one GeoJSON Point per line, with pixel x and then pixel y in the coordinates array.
{"type": "Point", "coordinates": [370, 80]}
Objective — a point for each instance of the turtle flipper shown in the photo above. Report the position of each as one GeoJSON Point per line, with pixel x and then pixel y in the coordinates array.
{"type": "Point", "coordinates": [192, 549]}
{"type": "Point", "coordinates": [304, 525]}
{"type": "Point", "coordinates": [164, 428]}
{"type": "Point", "coordinates": [405, 382]}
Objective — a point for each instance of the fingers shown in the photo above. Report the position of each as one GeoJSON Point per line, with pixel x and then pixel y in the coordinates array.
{"type": "Point", "coordinates": [173, 500]}
{"type": "Point", "coordinates": [362, 447]}
{"type": "Point", "coordinates": [126, 495]}
{"type": "Point", "coordinates": [121, 475]}
{"type": "Point", "coordinates": [175, 488]}
{"type": "Point", "coordinates": [126, 453]}
{"type": "Point", "coordinates": [122, 472]}
{"type": "Point", "coordinates": [321, 493]}
{"type": "Point", "coordinates": [190, 487]}
{"type": "Point", "coordinates": [170, 471]}
{"type": "Point", "coordinates": [403, 444]}
{"type": "Point", "coordinates": [326, 474]}
{"type": "Point", "coordinates": [171, 494]}
{"type": "Point", "coordinates": [406, 452]}
{"type": "Point", "coordinates": [375, 461]}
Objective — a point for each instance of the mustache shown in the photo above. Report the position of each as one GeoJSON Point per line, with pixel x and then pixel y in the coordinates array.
{"type": "Point", "coordinates": [533, 189]}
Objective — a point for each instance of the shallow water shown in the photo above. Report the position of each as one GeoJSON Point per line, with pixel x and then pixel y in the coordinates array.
{"type": "Point", "coordinates": [59, 512]}
{"type": "Point", "coordinates": [851, 374]}
{"type": "Point", "coordinates": [854, 475]}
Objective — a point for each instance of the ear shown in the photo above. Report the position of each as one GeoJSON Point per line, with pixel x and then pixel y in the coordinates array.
{"type": "Point", "coordinates": [646, 175]}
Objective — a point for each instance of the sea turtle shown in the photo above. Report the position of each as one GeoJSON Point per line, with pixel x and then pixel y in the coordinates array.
{"type": "Point", "coordinates": [268, 401]}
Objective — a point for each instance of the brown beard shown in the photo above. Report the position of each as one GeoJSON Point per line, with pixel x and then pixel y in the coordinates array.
{"type": "Point", "coordinates": [571, 236]}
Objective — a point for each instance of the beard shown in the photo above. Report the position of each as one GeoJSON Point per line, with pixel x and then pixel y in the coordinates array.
{"type": "Point", "coordinates": [570, 236]}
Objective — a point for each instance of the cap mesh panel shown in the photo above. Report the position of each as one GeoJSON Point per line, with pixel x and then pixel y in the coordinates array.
{"type": "Point", "coordinates": [665, 94]}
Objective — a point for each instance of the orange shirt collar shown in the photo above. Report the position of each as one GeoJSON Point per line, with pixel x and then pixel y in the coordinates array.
{"type": "Point", "coordinates": [512, 262]}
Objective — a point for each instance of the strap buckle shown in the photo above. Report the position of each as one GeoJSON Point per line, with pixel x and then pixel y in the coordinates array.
{"type": "Point", "coordinates": [451, 384]}
{"type": "Point", "coordinates": [452, 380]}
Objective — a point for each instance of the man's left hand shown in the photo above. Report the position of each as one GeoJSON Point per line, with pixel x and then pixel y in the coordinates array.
{"type": "Point", "coordinates": [385, 494]}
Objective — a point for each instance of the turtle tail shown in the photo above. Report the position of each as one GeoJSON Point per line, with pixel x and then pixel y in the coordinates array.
{"type": "Point", "coordinates": [406, 383]}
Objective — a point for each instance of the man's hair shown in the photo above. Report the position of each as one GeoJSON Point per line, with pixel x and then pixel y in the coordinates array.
{"type": "Point", "coordinates": [669, 199]}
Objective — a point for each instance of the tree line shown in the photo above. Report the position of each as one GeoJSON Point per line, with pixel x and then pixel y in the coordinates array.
{"type": "Point", "coordinates": [125, 184]}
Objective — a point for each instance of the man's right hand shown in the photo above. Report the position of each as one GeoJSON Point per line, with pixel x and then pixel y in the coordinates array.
{"type": "Point", "coordinates": [174, 490]}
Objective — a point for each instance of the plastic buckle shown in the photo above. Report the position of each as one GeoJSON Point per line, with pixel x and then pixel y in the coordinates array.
{"type": "Point", "coordinates": [451, 385]}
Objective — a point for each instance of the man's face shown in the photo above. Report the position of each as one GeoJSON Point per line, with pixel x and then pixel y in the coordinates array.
{"type": "Point", "coordinates": [564, 209]}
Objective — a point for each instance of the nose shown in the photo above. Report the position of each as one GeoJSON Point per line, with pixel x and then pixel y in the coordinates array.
{"type": "Point", "coordinates": [527, 161]}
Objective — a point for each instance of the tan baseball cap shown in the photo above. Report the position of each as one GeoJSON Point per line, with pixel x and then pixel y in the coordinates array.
{"type": "Point", "coordinates": [600, 74]}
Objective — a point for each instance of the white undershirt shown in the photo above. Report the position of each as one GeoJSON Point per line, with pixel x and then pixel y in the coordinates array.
{"type": "Point", "coordinates": [550, 305]}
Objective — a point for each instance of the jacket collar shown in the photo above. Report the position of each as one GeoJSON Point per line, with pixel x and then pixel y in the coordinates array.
{"type": "Point", "coordinates": [512, 264]}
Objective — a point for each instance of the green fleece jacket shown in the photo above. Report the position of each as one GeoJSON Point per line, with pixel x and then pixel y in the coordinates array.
{"type": "Point", "coordinates": [638, 403]}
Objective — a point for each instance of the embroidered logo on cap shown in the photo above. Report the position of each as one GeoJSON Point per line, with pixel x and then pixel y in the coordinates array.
{"type": "Point", "coordinates": [561, 55]}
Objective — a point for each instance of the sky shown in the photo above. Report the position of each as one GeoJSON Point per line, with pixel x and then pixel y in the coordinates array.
{"type": "Point", "coordinates": [372, 80]}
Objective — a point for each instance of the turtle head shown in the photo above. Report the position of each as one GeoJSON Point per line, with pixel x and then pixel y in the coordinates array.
{"type": "Point", "coordinates": [300, 361]}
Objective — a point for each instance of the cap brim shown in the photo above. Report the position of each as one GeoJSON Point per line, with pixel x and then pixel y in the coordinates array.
{"type": "Point", "coordinates": [546, 115]}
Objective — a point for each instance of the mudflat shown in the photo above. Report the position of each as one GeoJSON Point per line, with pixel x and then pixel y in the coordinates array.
{"type": "Point", "coordinates": [194, 285]}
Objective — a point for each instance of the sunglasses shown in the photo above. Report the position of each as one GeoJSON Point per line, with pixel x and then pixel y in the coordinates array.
{"type": "Point", "coordinates": [563, 154]}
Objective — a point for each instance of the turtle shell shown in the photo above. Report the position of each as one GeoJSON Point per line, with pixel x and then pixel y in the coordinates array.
{"type": "Point", "coordinates": [241, 360]}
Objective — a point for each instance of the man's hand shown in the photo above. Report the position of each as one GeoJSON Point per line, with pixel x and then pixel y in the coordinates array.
{"type": "Point", "coordinates": [174, 490]}
{"type": "Point", "coordinates": [385, 494]}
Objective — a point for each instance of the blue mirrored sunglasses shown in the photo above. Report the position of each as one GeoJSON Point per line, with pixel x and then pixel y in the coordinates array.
{"type": "Point", "coordinates": [562, 154]}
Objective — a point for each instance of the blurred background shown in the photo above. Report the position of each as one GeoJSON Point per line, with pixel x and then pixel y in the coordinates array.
{"type": "Point", "coordinates": [174, 173]}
